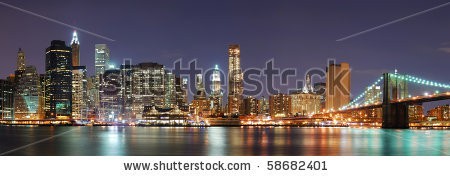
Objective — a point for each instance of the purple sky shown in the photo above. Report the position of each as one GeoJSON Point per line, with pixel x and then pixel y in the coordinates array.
{"type": "Point", "coordinates": [298, 34]}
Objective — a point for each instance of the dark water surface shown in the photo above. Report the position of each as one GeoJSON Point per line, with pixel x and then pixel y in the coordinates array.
{"type": "Point", "coordinates": [135, 141]}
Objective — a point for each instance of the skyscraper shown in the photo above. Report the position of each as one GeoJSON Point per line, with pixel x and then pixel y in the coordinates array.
{"type": "Point", "coordinates": [26, 82]}
{"type": "Point", "coordinates": [235, 85]}
{"type": "Point", "coordinates": [75, 44]}
{"type": "Point", "coordinates": [126, 70]}
{"type": "Point", "coordinates": [79, 81]}
{"type": "Point", "coordinates": [58, 81]}
{"type": "Point", "coordinates": [148, 87]}
{"type": "Point", "coordinates": [6, 99]}
{"type": "Point", "coordinates": [101, 60]}
{"type": "Point", "coordinates": [200, 105]}
{"type": "Point", "coordinates": [182, 93]}
{"type": "Point", "coordinates": [101, 64]}
{"type": "Point", "coordinates": [79, 92]}
{"type": "Point", "coordinates": [250, 105]}
{"type": "Point", "coordinates": [26, 94]}
{"type": "Point", "coordinates": [337, 86]}
{"type": "Point", "coordinates": [111, 95]}
{"type": "Point", "coordinates": [279, 105]}
{"type": "Point", "coordinates": [20, 60]}
{"type": "Point", "coordinates": [170, 93]}
{"type": "Point", "coordinates": [216, 92]}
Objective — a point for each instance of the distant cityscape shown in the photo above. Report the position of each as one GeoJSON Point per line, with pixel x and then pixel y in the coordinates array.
{"type": "Point", "coordinates": [149, 94]}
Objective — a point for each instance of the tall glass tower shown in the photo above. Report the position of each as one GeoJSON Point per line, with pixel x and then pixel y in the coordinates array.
{"type": "Point", "coordinates": [101, 60]}
{"type": "Point", "coordinates": [235, 84]}
{"type": "Point", "coordinates": [58, 81]}
{"type": "Point", "coordinates": [216, 92]}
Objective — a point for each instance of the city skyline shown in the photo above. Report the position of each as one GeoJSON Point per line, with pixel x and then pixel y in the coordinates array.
{"type": "Point", "coordinates": [294, 36]}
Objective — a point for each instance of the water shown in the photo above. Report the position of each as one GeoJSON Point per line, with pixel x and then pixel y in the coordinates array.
{"type": "Point", "coordinates": [149, 141]}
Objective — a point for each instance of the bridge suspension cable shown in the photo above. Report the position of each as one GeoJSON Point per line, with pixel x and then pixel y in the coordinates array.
{"type": "Point", "coordinates": [355, 101]}
{"type": "Point", "coordinates": [420, 81]}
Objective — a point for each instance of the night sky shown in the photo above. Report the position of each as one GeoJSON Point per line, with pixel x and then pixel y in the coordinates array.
{"type": "Point", "coordinates": [297, 34]}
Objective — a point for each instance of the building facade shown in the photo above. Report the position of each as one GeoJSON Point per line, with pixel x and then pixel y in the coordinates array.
{"type": "Point", "coordinates": [58, 82]}
{"type": "Point", "coordinates": [304, 104]}
{"type": "Point", "coordinates": [6, 99]}
{"type": "Point", "coordinates": [439, 113]}
{"type": "Point", "coordinates": [216, 94]}
{"type": "Point", "coordinates": [26, 94]}
{"type": "Point", "coordinates": [250, 106]}
{"type": "Point", "coordinates": [235, 81]}
{"type": "Point", "coordinates": [102, 62]}
{"type": "Point", "coordinates": [280, 106]}
{"type": "Point", "coordinates": [338, 86]}
{"type": "Point", "coordinates": [111, 95]}
{"type": "Point", "coordinates": [147, 87]}
{"type": "Point", "coordinates": [79, 92]}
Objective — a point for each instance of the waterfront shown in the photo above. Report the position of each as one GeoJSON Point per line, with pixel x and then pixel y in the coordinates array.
{"type": "Point", "coordinates": [222, 141]}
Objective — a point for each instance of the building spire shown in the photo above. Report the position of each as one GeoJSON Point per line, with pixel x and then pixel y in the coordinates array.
{"type": "Point", "coordinates": [20, 60]}
{"type": "Point", "coordinates": [75, 38]}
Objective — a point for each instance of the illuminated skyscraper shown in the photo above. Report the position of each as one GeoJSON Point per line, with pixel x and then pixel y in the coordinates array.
{"type": "Point", "coordinates": [79, 92]}
{"type": "Point", "coordinates": [216, 92]}
{"type": "Point", "coordinates": [75, 44]}
{"type": "Point", "coordinates": [26, 94]}
{"type": "Point", "coordinates": [235, 85]}
{"type": "Point", "coordinates": [250, 106]}
{"type": "Point", "coordinates": [20, 60]}
{"type": "Point", "coordinates": [337, 86]}
{"type": "Point", "coordinates": [126, 70]}
{"type": "Point", "coordinates": [170, 95]}
{"type": "Point", "coordinates": [148, 87]}
{"type": "Point", "coordinates": [373, 95]}
{"type": "Point", "coordinates": [6, 99]}
{"type": "Point", "coordinates": [79, 81]}
{"type": "Point", "coordinates": [200, 105]}
{"type": "Point", "coordinates": [111, 95]}
{"type": "Point", "coordinates": [182, 93]}
{"type": "Point", "coordinates": [199, 86]}
{"type": "Point", "coordinates": [101, 64]}
{"type": "Point", "coordinates": [58, 81]}
{"type": "Point", "coordinates": [279, 105]}
{"type": "Point", "coordinates": [101, 60]}
{"type": "Point", "coordinates": [263, 106]}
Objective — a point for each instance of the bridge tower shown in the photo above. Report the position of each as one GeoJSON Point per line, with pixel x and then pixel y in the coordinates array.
{"type": "Point", "coordinates": [395, 115]}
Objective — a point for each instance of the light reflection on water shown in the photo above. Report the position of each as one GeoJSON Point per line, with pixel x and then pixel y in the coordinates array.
{"type": "Point", "coordinates": [223, 141]}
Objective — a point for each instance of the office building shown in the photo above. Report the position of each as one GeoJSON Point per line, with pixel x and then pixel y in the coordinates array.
{"type": "Point", "coordinates": [337, 86]}
{"type": "Point", "coordinates": [79, 92]}
{"type": "Point", "coordinates": [280, 106]}
{"type": "Point", "coordinates": [305, 102]}
{"type": "Point", "coordinates": [148, 87]}
{"type": "Point", "coordinates": [216, 94]}
{"type": "Point", "coordinates": [58, 81]}
{"type": "Point", "coordinates": [235, 80]}
{"type": "Point", "coordinates": [110, 92]}
{"type": "Point", "coordinates": [250, 106]}
{"type": "Point", "coordinates": [6, 99]}
{"type": "Point", "coordinates": [26, 94]}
